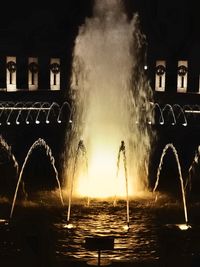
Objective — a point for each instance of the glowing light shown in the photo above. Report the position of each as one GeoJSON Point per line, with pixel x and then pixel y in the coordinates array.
{"type": "Point", "coordinates": [3, 221]}
{"type": "Point", "coordinates": [17, 122]}
{"type": "Point", "coordinates": [8, 123]}
{"type": "Point", "coordinates": [27, 122]}
{"type": "Point", "coordinates": [101, 180]}
{"type": "Point", "coordinates": [37, 122]}
{"type": "Point", "coordinates": [183, 227]}
{"type": "Point", "coordinates": [69, 226]}
{"type": "Point", "coordinates": [192, 111]}
{"type": "Point", "coordinates": [59, 121]}
{"type": "Point", "coordinates": [126, 227]}
{"type": "Point", "coordinates": [47, 121]}
{"type": "Point", "coordinates": [70, 121]}
{"type": "Point", "coordinates": [145, 67]}
{"type": "Point", "coordinates": [104, 110]}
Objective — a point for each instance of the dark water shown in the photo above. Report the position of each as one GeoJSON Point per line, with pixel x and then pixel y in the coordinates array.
{"type": "Point", "coordinates": [38, 233]}
{"type": "Point", "coordinates": [102, 219]}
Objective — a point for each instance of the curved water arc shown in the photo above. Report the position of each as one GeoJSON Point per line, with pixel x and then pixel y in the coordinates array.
{"type": "Point", "coordinates": [35, 104]}
{"type": "Point", "coordinates": [185, 123]}
{"type": "Point", "coordinates": [168, 146]}
{"type": "Point", "coordinates": [42, 108]}
{"type": "Point", "coordinates": [172, 112]}
{"type": "Point", "coordinates": [61, 111]}
{"type": "Point", "coordinates": [51, 108]}
{"type": "Point", "coordinates": [39, 142]}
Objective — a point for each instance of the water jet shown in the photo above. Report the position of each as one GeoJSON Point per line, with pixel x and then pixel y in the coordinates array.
{"type": "Point", "coordinates": [109, 124]}
{"type": "Point", "coordinates": [38, 143]}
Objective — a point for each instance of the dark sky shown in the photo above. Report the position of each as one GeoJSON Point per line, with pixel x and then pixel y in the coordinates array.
{"type": "Point", "coordinates": [171, 27]}
{"type": "Point", "coordinates": [39, 27]}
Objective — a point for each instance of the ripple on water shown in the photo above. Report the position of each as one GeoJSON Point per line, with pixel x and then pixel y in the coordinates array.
{"type": "Point", "coordinates": [104, 220]}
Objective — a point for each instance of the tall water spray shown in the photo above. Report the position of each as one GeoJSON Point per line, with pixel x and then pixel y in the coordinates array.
{"type": "Point", "coordinates": [111, 101]}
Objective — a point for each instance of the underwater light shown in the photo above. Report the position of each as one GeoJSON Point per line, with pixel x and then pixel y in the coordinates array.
{"type": "Point", "coordinates": [126, 227]}
{"type": "Point", "coordinates": [183, 227]}
{"type": "Point", "coordinates": [3, 221]}
{"type": "Point", "coordinates": [69, 226]}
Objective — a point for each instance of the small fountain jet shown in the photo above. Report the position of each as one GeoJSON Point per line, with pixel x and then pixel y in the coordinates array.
{"type": "Point", "coordinates": [123, 150]}
{"type": "Point", "coordinates": [122, 147]}
{"type": "Point", "coordinates": [81, 146]}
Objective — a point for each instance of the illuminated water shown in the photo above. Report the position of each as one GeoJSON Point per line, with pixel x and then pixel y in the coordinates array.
{"type": "Point", "coordinates": [152, 237]}
{"type": "Point", "coordinates": [102, 219]}
{"type": "Point", "coordinates": [38, 143]}
{"type": "Point", "coordinates": [112, 102]}
{"type": "Point", "coordinates": [80, 148]}
{"type": "Point", "coordinates": [166, 148]}
{"type": "Point", "coordinates": [122, 150]}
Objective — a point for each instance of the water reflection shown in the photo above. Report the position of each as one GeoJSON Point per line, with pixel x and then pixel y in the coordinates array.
{"type": "Point", "coordinates": [102, 219]}
{"type": "Point", "coordinates": [154, 235]}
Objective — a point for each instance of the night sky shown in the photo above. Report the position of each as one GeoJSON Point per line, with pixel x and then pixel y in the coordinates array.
{"type": "Point", "coordinates": [171, 28]}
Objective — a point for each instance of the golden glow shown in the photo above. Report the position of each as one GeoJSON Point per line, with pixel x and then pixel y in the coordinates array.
{"type": "Point", "coordinates": [69, 226]}
{"type": "Point", "coordinates": [107, 107]}
{"type": "Point", "coordinates": [101, 181]}
{"type": "Point", "coordinates": [3, 221]}
{"type": "Point", "coordinates": [183, 227]}
{"type": "Point", "coordinates": [126, 227]}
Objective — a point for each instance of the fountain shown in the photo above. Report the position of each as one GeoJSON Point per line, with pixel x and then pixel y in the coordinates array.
{"type": "Point", "coordinates": [122, 149]}
{"type": "Point", "coordinates": [10, 156]}
{"type": "Point", "coordinates": [8, 161]}
{"type": "Point", "coordinates": [38, 143]}
{"type": "Point", "coordinates": [166, 148]}
{"type": "Point", "coordinates": [34, 112]}
{"type": "Point", "coordinates": [192, 181]}
{"type": "Point", "coordinates": [111, 103]}
{"type": "Point", "coordinates": [80, 148]}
